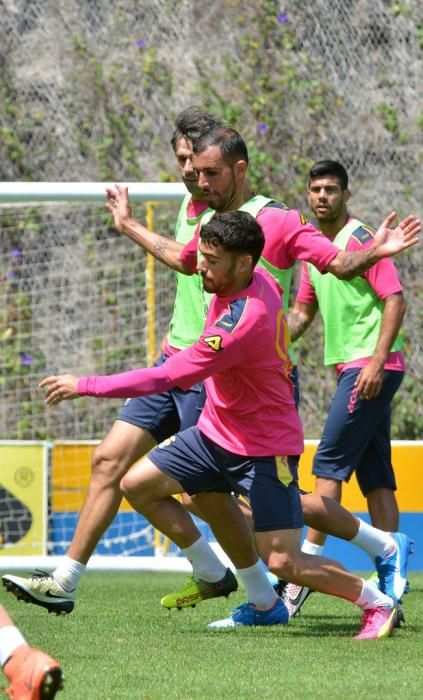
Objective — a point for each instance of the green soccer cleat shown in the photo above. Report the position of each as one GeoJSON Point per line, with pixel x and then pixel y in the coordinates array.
{"type": "Point", "coordinates": [196, 590]}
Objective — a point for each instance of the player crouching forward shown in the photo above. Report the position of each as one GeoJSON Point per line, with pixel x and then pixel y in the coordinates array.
{"type": "Point", "coordinates": [242, 356]}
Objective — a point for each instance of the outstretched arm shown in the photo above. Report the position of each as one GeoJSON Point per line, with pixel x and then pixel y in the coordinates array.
{"type": "Point", "coordinates": [387, 243]}
{"type": "Point", "coordinates": [299, 318]}
{"type": "Point", "coordinates": [137, 382]}
{"type": "Point", "coordinates": [164, 249]}
{"type": "Point", "coordinates": [185, 368]}
{"type": "Point", "coordinates": [369, 381]}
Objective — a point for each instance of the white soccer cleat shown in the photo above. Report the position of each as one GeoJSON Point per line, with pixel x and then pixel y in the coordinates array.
{"type": "Point", "coordinates": [41, 589]}
{"type": "Point", "coordinates": [294, 597]}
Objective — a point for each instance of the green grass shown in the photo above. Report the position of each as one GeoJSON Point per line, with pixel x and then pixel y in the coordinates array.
{"type": "Point", "coordinates": [120, 644]}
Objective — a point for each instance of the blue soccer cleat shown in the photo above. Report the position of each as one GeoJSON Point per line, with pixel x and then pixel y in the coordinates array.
{"type": "Point", "coordinates": [247, 615]}
{"type": "Point", "coordinates": [392, 569]}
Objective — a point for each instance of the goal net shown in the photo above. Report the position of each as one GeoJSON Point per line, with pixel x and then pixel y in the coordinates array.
{"type": "Point", "coordinates": [75, 296]}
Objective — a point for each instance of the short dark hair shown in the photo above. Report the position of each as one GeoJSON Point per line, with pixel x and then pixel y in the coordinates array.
{"type": "Point", "coordinates": [235, 231]}
{"type": "Point", "coordinates": [332, 168]}
{"type": "Point", "coordinates": [230, 142]}
{"type": "Point", "coordinates": [191, 123]}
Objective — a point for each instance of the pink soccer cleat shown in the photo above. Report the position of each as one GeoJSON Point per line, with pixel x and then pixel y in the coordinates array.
{"type": "Point", "coordinates": [379, 622]}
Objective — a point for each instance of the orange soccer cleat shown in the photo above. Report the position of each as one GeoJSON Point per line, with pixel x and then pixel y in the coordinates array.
{"type": "Point", "coordinates": [32, 674]}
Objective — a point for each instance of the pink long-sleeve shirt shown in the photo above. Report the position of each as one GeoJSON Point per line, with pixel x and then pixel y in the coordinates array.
{"type": "Point", "coordinates": [242, 356]}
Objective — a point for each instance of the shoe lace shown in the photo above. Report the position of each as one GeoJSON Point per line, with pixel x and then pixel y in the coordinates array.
{"type": "Point", "coordinates": [190, 581]}
{"type": "Point", "coordinates": [38, 574]}
{"type": "Point", "coordinates": [369, 616]}
{"type": "Point", "coordinates": [293, 590]}
{"type": "Point", "coordinates": [242, 607]}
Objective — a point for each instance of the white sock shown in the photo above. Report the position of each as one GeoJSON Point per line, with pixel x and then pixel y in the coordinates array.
{"type": "Point", "coordinates": [311, 548]}
{"type": "Point", "coordinates": [372, 597]}
{"type": "Point", "coordinates": [205, 563]}
{"type": "Point", "coordinates": [376, 543]}
{"type": "Point", "coordinates": [10, 639]}
{"type": "Point", "coordinates": [257, 586]}
{"type": "Point", "coordinates": [68, 573]}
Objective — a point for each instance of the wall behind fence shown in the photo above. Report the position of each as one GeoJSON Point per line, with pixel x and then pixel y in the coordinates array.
{"type": "Point", "coordinates": [88, 107]}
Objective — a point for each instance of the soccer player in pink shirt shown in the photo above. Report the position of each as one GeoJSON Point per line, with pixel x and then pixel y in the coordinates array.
{"type": "Point", "coordinates": [247, 440]}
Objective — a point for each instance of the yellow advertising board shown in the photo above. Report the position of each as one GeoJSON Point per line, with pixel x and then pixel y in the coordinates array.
{"type": "Point", "coordinates": [71, 472]}
{"type": "Point", "coordinates": [407, 460]}
{"type": "Point", "coordinates": [23, 497]}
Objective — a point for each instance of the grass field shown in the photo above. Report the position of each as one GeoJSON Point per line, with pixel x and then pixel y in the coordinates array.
{"type": "Point", "coordinates": [120, 644]}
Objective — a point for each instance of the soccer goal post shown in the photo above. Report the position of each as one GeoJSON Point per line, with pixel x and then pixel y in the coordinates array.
{"type": "Point", "coordinates": [76, 296]}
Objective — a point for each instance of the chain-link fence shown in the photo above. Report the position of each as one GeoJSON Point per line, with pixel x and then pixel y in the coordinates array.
{"type": "Point", "coordinates": [89, 91]}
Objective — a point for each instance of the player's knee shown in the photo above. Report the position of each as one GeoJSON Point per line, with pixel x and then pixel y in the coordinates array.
{"type": "Point", "coordinates": [106, 468]}
{"type": "Point", "coordinates": [126, 487]}
{"type": "Point", "coordinates": [136, 491]}
{"type": "Point", "coordinates": [190, 504]}
{"type": "Point", "coordinates": [283, 565]}
{"type": "Point", "coordinates": [187, 500]}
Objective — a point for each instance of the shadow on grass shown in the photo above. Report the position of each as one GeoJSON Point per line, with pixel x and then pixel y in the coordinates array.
{"type": "Point", "coordinates": [329, 628]}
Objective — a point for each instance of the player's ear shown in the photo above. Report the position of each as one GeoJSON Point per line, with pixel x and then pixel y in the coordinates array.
{"type": "Point", "coordinates": [245, 262]}
{"type": "Point", "coordinates": [347, 196]}
{"type": "Point", "coordinates": [240, 169]}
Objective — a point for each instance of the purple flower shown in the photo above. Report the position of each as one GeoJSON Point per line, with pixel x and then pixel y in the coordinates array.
{"type": "Point", "coordinates": [282, 17]}
{"type": "Point", "coordinates": [262, 128]}
{"type": "Point", "coordinates": [140, 43]}
{"type": "Point", "coordinates": [16, 252]}
{"type": "Point", "coordinates": [26, 359]}
{"type": "Point", "coordinates": [11, 274]}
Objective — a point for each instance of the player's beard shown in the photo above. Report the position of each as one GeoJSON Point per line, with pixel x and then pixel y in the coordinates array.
{"type": "Point", "coordinates": [193, 188]}
{"type": "Point", "coordinates": [222, 202]}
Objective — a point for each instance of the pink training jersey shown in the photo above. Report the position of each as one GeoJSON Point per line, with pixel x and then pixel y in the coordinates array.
{"type": "Point", "coordinates": [382, 278]}
{"type": "Point", "coordinates": [288, 237]}
{"type": "Point", "coordinates": [242, 356]}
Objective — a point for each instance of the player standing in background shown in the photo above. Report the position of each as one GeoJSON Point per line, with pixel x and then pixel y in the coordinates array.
{"type": "Point", "coordinates": [32, 674]}
{"type": "Point", "coordinates": [242, 356]}
{"type": "Point", "coordinates": [362, 320]}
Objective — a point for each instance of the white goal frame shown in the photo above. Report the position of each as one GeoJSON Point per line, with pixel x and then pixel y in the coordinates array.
{"type": "Point", "coordinates": [33, 193]}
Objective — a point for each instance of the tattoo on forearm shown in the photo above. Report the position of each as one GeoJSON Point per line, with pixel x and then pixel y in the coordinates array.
{"type": "Point", "coordinates": [160, 248]}
{"type": "Point", "coordinates": [356, 263]}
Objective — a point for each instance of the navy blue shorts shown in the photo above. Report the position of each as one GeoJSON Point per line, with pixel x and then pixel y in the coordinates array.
{"type": "Point", "coordinates": [270, 483]}
{"type": "Point", "coordinates": [166, 413]}
{"type": "Point", "coordinates": [357, 435]}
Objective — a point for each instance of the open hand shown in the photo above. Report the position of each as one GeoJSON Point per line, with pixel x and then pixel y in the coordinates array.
{"type": "Point", "coordinates": [61, 387]}
{"type": "Point", "coordinates": [390, 241]}
{"type": "Point", "coordinates": [118, 205]}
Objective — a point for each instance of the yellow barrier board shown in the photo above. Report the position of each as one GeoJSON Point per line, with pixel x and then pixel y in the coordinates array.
{"type": "Point", "coordinates": [71, 471]}
{"type": "Point", "coordinates": [23, 498]}
{"type": "Point", "coordinates": [407, 460]}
